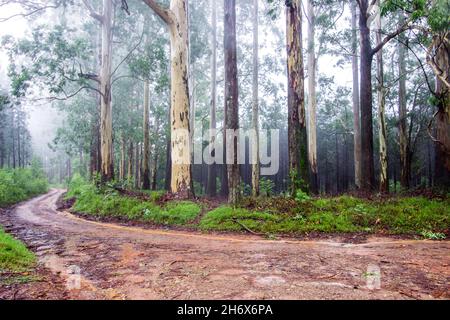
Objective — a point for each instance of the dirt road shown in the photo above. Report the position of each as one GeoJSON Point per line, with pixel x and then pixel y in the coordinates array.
{"type": "Point", "coordinates": [105, 261]}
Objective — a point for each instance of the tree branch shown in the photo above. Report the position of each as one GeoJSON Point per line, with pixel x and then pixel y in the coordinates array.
{"type": "Point", "coordinates": [92, 12]}
{"type": "Point", "coordinates": [24, 15]}
{"type": "Point", "coordinates": [129, 53]}
{"type": "Point", "coordinates": [163, 13]}
{"type": "Point", "coordinates": [390, 36]}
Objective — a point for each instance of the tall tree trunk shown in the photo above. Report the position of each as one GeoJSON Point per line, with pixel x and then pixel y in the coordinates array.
{"type": "Point", "coordinates": [107, 169]}
{"type": "Point", "coordinates": [19, 156]}
{"type": "Point", "coordinates": [297, 137]}
{"type": "Point", "coordinates": [2, 148]}
{"type": "Point", "coordinates": [312, 101]}
{"type": "Point", "coordinates": [122, 167]}
{"type": "Point", "coordinates": [212, 184]}
{"type": "Point", "coordinates": [336, 145]}
{"type": "Point", "coordinates": [130, 161]}
{"type": "Point", "coordinates": [13, 141]}
{"type": "Point", "coordinates": [366, 56]}
{"type": "Point", "coordinates": [442, 151]}
{"type": "Point", "coordinates": [255, 103]}
{"type": "Point", "coordinates": [384, 180]}
{"type": "Point", "coordinates": [405, 174]}
{"type": "Point", "coordinates": [168, 164]}
{"type": "Point", "coordinates": [231, 99]}
{"type": "Point", "coordinates": [146, 155]}
{"type": "Point", "coordinates": [137, 168]}
{"type": "Point", "coordinates": [177, 22]}
{"type": "Point", "coordinates": [356, 108]}
{"type": "Point", "coordinates": [155, 171]}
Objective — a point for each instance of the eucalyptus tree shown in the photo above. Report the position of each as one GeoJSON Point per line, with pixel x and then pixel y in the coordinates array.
{"type": "Point", "coordinates": [297, 135]}
{"type": "Point", "coordinates": [212, 181]}
{"type": "Point", "coordinates": [231, 100]}
{"type": "Point", "coordinates": [175, 17]}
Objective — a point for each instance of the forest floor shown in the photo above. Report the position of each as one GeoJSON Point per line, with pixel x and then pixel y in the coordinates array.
{"type": "Point", "coordinates": [96, 260]}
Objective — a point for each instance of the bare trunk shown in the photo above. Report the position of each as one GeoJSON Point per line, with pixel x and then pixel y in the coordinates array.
{"type": "Point", "coordinates": [356, 116]}
{"type": "Point", "coordinates": [177, 21]}
{"type": "Point", "coordinates": [155, 171]}
{"type": "Point", "coordinates": [405, 174]}
{"type": "Point", "coordinates": [107, 169]}
{"type": "Point", "coordinates": [442, 163]}
{"type": "Point", "coordinates": [297, 138]}
{"type": "Point", "coordinates": [231, 99]}
{"type": "Point", "coordinates": [168, 164]}
{"type": "Point", "coordinates": [255, 107]}
{"type": "Point", "coordinates": [181, 181]}
{"type": "Point", "coordinates": [146, 155]}
{"type": "Point", "coordinates": [312, 101]}
{"type": "Point", "coordinates": [367, 160]}
{"type": "Point", "coordinates": [212, 185]}
{"type": "Point", "coordinates": [130, 161]}
{"type": "Point", "coordinates": [384, 181]}
{"type": "Point", "coordinates": [137, 168]}
{"type": "Point", "coordinates": [122, 166]}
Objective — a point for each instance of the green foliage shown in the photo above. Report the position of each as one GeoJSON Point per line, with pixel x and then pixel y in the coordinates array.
{"type": "Point", "coordinates": [14, 256]}
{"type": "Point", "coordinates": [341, 214]}
{"type": "Point", "coordinates": [301, 196]}
{"type": "Point", "coordinates": [20, 184]}
{"type": "Point", "coordinates": [436, 13]}
{"type": "Point", "coordinates": [107, 202]}
{"type": "Point", "coordinates": [266, 187]}
{"type": "Point", "coordinates": [433, 235]}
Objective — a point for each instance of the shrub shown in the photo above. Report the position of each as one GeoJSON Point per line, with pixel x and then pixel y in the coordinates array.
{"type": "Point", "coordinates": [20, 184]}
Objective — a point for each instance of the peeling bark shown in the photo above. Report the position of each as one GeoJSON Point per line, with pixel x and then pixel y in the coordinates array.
{"type": "Point", "coordinates": [107, 168]}
{"type": "Point", "coordinates": [442, 163]}
{"type": "Point", "coordinates": [384, 181]}
{"type": "Point", "coordinates": [297, 137]}
{"type": "Point", "coordinates": [312, 101]}
{"type": "Point", "coordinates": [176, 19]}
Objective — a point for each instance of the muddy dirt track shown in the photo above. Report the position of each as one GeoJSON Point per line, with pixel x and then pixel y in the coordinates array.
{"type": "Point", "coordinates": [119, 262]}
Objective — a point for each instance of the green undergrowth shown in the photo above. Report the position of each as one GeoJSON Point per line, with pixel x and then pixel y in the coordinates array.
{"type": "Point", "coordinates": [275, 215]}
{"type": "Point", "coordinates": [108, 202]}
{"type": "Point", "coordinates": [19, 184]}
{"type": "Point", "coordinates": [414, 215]}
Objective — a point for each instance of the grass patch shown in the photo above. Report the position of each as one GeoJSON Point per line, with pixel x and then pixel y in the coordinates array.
{"type": "Point", "coordinates": [14, 256]}
{"type": "Point", "coordinates": [109, 203]}
{"type": "Point", "coordinates": [340, 214]}
{"type": "Point", "coordinates": [276, 215]}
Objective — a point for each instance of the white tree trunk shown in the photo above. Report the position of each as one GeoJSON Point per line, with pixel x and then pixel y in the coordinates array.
{"type": "Point", "coordinates": [105, 88]}
{"type": "Point", "coordinates": [181, 182]}
{"type": "Point", "coordinates": [312, 101]}
{"type": "Point", "coordinates": [356, 119]}
{"type": "Point", "coordinates": [255, 107]}
{"type": "Point", "coordinates": [177, 22]}
{"type": "Point", "coordinates": [212, 185]}
{"type": "Point", "coordinates": [384, 182]}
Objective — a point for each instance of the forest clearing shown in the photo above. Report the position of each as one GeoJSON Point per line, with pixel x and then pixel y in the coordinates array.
{"type": "Point", "coordinates": [224, 150]}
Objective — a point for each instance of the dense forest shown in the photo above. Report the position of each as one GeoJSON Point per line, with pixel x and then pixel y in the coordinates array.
{"type": "Point", "coordinates": [143, 87]}
{"type": "Point", "coordinates": [225, 149]}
